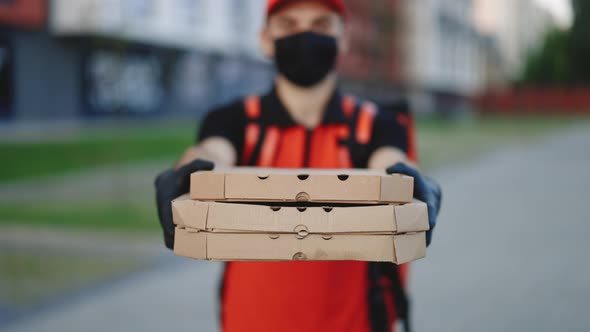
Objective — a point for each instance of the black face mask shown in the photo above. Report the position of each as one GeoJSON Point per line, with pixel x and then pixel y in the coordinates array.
{"type": "Point", "coordinates": [306, 58]}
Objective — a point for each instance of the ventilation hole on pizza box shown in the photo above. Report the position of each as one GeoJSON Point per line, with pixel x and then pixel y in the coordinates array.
{"type": "Point", "coordinates": [303, 177]}
{"type": "Point", "coordinates": [263, 176]}
{"type": "Point", "coordinates": [301, 230]}
{"type": "Point", "coordinates": [343, 177]}
{"type": "Point", "coordinates": [302, 197]}
{"type": "Point", "coordinates": [328, 209]}
{"type": "Point", "coordinates": [275, 208]}
{"type": "Point", "coordinates": [301, 209]}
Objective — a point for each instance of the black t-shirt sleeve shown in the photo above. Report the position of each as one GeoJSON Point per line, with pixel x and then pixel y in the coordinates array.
{"type": "Point", "coordinates": [228, 122]}
{"type": "Point", "coordinates": [388, 130]}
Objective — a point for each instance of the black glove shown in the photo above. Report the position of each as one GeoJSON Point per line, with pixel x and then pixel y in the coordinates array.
{"type": "Point", "coordinates": [171, 184]}
{"type": "Point", "coordinates": [425, 189]}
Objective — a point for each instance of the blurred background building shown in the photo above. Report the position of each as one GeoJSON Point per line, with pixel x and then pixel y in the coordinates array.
{"type": "Point", "coordinates": [70, 58]}
{"type": "Point", "coordinates": [443, 54]}
{"type": "Point", "coordinates": [73, 59]}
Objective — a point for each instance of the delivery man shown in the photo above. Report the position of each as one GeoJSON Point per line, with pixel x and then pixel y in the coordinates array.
{"type": "Point", "coordinates": [304, 121]}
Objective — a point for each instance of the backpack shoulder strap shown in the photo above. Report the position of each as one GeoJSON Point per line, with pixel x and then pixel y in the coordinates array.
{"type": "Point", "coordinates": [365, 121]}
{"type": "Point", "coordinates": [252, 107]}
{"type": "Point", "coordinates": [253, 110]}
{"type": "Point", "coordinates": [361, 114]}
{"type": "Point", "coordinates": [406, 120]}
{"type": "Point", "coordinates": [349, 105]}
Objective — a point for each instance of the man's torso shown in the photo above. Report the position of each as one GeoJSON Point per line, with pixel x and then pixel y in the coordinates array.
{"type": "Point", "coordinates": [301, 296]}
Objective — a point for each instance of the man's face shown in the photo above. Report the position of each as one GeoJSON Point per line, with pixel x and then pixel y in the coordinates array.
{"type": "Point", "coordinates": [302, 16]}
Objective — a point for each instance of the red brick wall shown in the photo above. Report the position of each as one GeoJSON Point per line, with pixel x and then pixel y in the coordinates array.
{"type": "Point", "coordinates": [373, 53]}
{"type": "Point", "coordinates": [23, 13]}
{"type": "Point", "coordinates": [536, 100]}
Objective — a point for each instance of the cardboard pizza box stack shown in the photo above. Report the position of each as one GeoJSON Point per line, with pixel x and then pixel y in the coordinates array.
{"type": "Point", "coordinates": [253, 214]}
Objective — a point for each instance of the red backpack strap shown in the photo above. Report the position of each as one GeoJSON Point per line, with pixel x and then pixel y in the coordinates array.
{"type": "Point", "coordinates": [364, 125]}
{"type": "Point", "coordinates": [349, 105]}
{"type": "Point", "coordinates": [268, 149]}
{"type": "Point", "coordinates": [365, 122]}
{"type": "Point", "coordinates": [253, 109]}
{"type": "Point", "coordinates": [407, 121]}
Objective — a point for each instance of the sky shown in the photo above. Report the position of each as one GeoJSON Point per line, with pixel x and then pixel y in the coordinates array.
{"type": "Point", "coordinates": [485, 12]}
{"type": "Point", "coordinates": [560, 8]}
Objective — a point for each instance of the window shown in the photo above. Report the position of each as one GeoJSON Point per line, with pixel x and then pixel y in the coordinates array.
{"type": "Point", "coordinates": [141, 9]}
{"type": "Point", "coordinates": [6, 79]}
{"type": "Point", "coordinates": [190, 13]}
{"type": "Point", "coordinates": [130, 82]}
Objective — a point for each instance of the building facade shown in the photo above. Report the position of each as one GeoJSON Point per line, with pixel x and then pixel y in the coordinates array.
{"type": "Point", "coordinates": [97, 58]}
{"type": "Point", "coordinates": [442, 54]}
{"type": "Point", "coordinates": [64, 59]}
{"type": "Point", "coordinates": [373, 67]}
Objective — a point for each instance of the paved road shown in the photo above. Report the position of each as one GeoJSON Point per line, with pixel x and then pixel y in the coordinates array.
{"type": "Point", "coordinates": [509, 255]}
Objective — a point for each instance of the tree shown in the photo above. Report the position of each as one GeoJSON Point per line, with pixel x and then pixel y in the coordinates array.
{"type": "Point", "coordinates": [564, 57]}
{"type": "Point", "coordinates": [579, 43]}
{"type": "Point", "coordinates": [549, 64]}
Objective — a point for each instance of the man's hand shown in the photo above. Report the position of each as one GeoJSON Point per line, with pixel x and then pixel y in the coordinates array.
{"type": "Point", "coordinates": [425, 189]}
{"type": "Point", "coordinates": [171, 184]}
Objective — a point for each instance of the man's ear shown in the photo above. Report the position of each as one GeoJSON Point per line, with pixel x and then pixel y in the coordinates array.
{"type": "Point", "coordinates": [267, 43]}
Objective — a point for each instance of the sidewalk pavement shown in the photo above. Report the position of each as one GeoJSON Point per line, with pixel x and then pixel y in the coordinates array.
{"type": "Point", "coordinates": [509, 255]}
{"type": "Point", "coordinates": [176, 296]}
{"type": "Point", "coordinates": [126, 182]}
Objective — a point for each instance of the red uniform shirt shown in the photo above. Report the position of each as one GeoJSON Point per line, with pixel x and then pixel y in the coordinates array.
{"type": "Point", "coordinates": [307, 296]}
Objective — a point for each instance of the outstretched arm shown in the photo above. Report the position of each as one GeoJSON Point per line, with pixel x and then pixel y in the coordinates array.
{"type": "Point", "coordinates": [393, 141]}
{"type": "Point", "coordinates": [387, 156]}
{"type": "Point", "coordinates": [216, 149]}
{"type": "Point", "coordinates": [220, 135]}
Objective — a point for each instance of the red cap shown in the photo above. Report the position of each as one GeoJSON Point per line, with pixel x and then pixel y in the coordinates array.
{"type": "Point", "coordinates": [337, 5]}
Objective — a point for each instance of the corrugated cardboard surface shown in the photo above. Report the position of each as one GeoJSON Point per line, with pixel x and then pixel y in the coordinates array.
{"type": "Point", "coordinates": [398, 249]}
{"type": "Point", "coordinates": [229, 231]}
{"type": "Point", "coordinates": [215, 216]}
{"type": "Point", "coordinates": [301, 185]}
